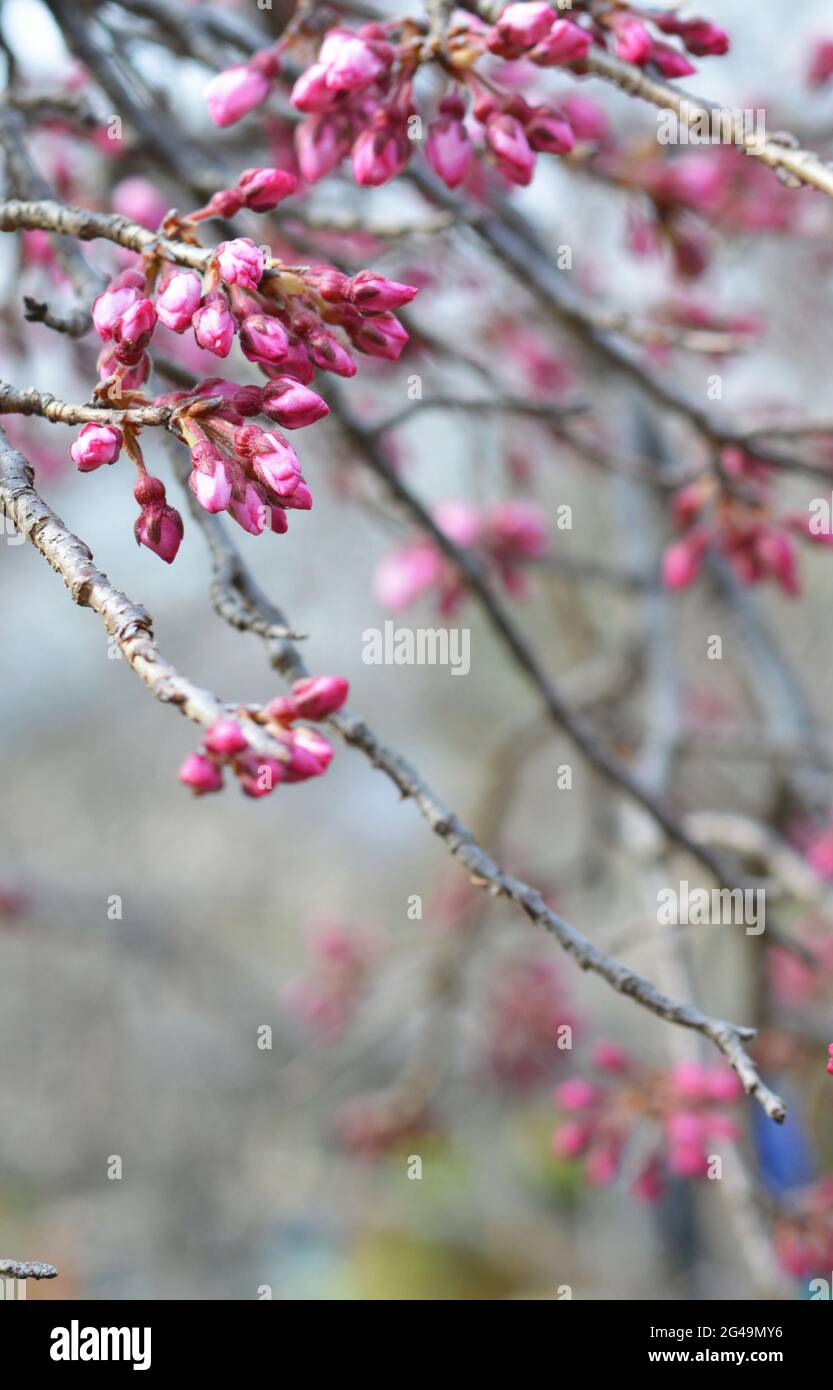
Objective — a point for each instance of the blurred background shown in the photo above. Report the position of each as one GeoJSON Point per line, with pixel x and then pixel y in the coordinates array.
{"type": "Point", "coordinates": [147, 938]}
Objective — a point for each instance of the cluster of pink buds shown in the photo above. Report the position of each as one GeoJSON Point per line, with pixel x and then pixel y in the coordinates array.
{"type": "Point", "coordinates": [329, 995]}
{"type": "Point", "coordinates": [726, 513]}
{"type": "Point", "coordinates": [507, 536]}
{"type": "Point", "coordinates": [526, 1015]}
{"type": "Point", "coordinates": [289, 322]}
{"type": "Point", "coordinates": [306, 753]}
{"type": "Point", "coordinates": [804, 1233]}
{"type": "Point", "coordinates": [359, 100]}
{"type": "Point", "coordinates": [679, 1108]}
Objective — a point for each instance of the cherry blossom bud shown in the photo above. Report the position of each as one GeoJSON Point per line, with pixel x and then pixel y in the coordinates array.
{"type": "Point", "coordinates": [250, 510]}
{"type": "Point", "coordinates": [135, 328]}
{"type": "Point", "coordinates": [248, 400]}
{"type": "Point", "coordinates": [241, 262]}
{"type": "Point", "coordinates": [258, 776]}
{"type": "Point", "coordinates": [378, 156]}
{"type": "Point", "coordinates": [211, 484]}
{"type": "Point", "coordinates": [576, 1094]}
{"type": "Point", "coordinates": [291, 404]}
{"type": "Point", "coordinates": [448, 147]}
{"type": "Point", "coordinates": [602, 1165]}
{"type": "Point", "coordinates": [297, 363]}
{"type": "Point", "coordinates": [372, 292]}
{"type": "Point", "coordinates": [523, 25]}
{"type": "Point", "coordinates": [276, 464]}
{"type": "Point", "coordinates": [350, 62]}
{"type": "Point", "coordinates": [225, 738]}
{"type": "Point", "coordinates": [381, 336]}
{"type": "Point", "coordinates": [548, 132]}
{"type": "Point", "coordinates": [298, 500]}
{"type": "Point", "coordinates": [277, 521]}
{"type": "Point", "coordinates": [607, 1056]}
{"type": "Point", "coordinates": [319, 146]}
{"type": "Point", "coordinates": [518, 528]}
{"type": "Point", "coordinates": [200, 774]}
{"type": "Point", "coordinates": [647, 1186]}
{"type": "Point", "coordinates": [312, 92]}
{"type": "Point", "coordinates": [235, 92]}
{"type": "Point", "coordinates": [109, 306]}
{"type": "Point", "coordinates": [405, 574]}
{"type": "Point", "coordinates": [311, 754]}
{"type": "Point", "coordinates": [281, 710]}
{"type": "Point", "coordinates": [214, 326]}
{"type": "Point", "coordinates": [633, 41]}
{"type": "Point", "coordinates": [565, 43]}
{"type": "Point", "coordinates": [178, 299]}
{"type": "Point", "coordinates": [571, 1140]}
{"type": "Point", "coordinates": [700, 36]}
{"type": "Point", "coordinates": [682, 561]}
{"type": "Point", "coordinates": [821, 63]}
{"type": "Point", "coordinates": [329, 354]}
{"type": "Point", "coordinates": [159, 527]}
{"type": "Point", "coordinates": [722, 1084]}
{"type": "Point", "coordinates": [506, 138]}
{"type": "Point", "coordinates": [670, 61]}
{"type": "Point", "coordinates": [317, 697]}
{"type": "Point", "coordinates": [263, 189]}
{"type": "Point", "coordinates": [263, 338]}
{"type": "Point", "coordinates": [95, 445]}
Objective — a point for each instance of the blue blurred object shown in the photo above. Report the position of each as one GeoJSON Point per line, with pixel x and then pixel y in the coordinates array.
{"type": "Point", "coordinates": [785, 1155]}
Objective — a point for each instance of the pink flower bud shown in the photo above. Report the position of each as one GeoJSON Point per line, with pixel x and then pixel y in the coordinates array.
{"type": "Point", "coordinates": [178, 299]}
{"type": "Point", "coordinates": [405, 574]}
{"type": "Point", "coordinates": [682, 561]}
{"type": "Point", "coordinates": [571, 1139]}
{"type": "Point", "coordinates": [351, 63]}
{"type": "Point", "coordinates": [687, 1160]}
{"type": "Point", "coordinates": [250, 510]}
{"type": "Point", "coordinates": [312, 92]}
{"type": "Point", "coordinates": [263, 338]}
{"type": "Point", "coordinates": [311, 754]}
{"type": "Point", "coordinates": [281, 710]}
{"type": "Point", "coordinates": [516, 528]}
{"type": "Point", "coordinates": [277, 521]}
{"type": "Point", "coordinates": [378, 156]}
{"type": "Point", "coordinates": [565, 43]}
{"type": "Point", "coordinates": [263, 189]}
{"type": "Point", "coordinates": [670, 61]}
{"type": "Point", "coordinates": [576, 1094]}
{"type": "Point", "coordinates": [647, 1185]}
{"type": "Point", "coordinates": [297, 364]}
{"type": "Point", "coordinates": [276, 464]}
{"type": "Point", "coordinates": [109, 306]}
{"type": "Point", "coordinates": [241, 262]}
{"type": "Point", "coordinates": [700, 36]}
{"type": "Point", "coordinates": [633, 41]}
{"type": "Point", "coordinates": [381, 336]}
{"type": "Point", "coordinates": [235, 92]}
{"type": "Point", "coordinates": [317, 697]}
{"type": "Point", "coordinates": [602, 1165]}
{"type": "Point", "coordinates": [292, 405]}
{"type": "Point", "coordinates": [506, 139]}
{"type": "Point", "coordinates": [214, 326]}
{"type": "Point", "coordinates": [200, 774]}
{"type": "Point", "coordinates": [135, 328]}
{"type": "Point", "coordinates": [258, 775]}
{"type": "Point", "coordinates": [159, 527]}
{"type": "Point", "coordinates": [329, 354]}
{"type": "Point", "coordinates": [690, 1080]}
{"type": "Point", "coordinates": [722, 1084]}
{"type": "Point", "coordinates": [225, 738]}
{"type": "Point", "coordinates": [211, 484]}
{"type": "Point", "coordinates": [448, 147]}
{"type": "Point", "coordinates": [548, 132]}
{"type": "Point", "coordinates": [95, 445]}
{"type": "Point", "coordinates": [523, 25]}
{"type": "Point", "coordinates": [820, 69]}
{"type": "Point", "coordinates": [319, 146]}
{"type": "Point", "coordinates": [298, 500]}
{"type": "Point", "coordinates": [372, 292]}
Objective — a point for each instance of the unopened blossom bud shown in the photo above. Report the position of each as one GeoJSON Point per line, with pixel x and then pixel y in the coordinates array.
{"type": "Point", "coordinates": [633, 40]}
{"type": "Point", "coordinates": [241, 262]}
{"type": "Point", "coordinates": [277, 521]}
{"type": "Point", "coordinates": [312, 92]}
{"type": "Point", "coordinates": [648, 1184]}
{"type": "Point", "coordinates": [317, 697]}
{"type": "Point", "coordinates": [548, 132]}
{"type": "Point", "coordinates": [248, 400]}
{"type": "Point", "coordinates": [776, 551]}
{"type": "Point", "coordinates": [379, 155]}
{"type": "Point", "coordinates": [571, 1139]}
{"type": "Point", "coordinates": [297, 364]}
{"type": "Point", "coordinates": [722, 1084]}
{"type": "Point", "coordinates": [233, 93]}
{"type": "Point", "coordinates": [159, 527]}
{"type": "Point", "coordinates": [820, 69]}
{"type": "Point", "coordinates": [138, 200]}
{"type": "Point", "coordinates": [700, 36]}
{"type": "Point", "coordinates": [135, 328]}
{"type": "Point", "coordinates": [518, 528]}
{"type": "Point", "coordinates": [448, 147]}
{"type": "Point", "coordinates": [319, 145]}
{"type": "Point", "coordinates": [263, 189]}
{"type": "Point", "coordinates": [350, 62]}
{"type": "Point", "coordinates": [607, 1056]}
{"type": "Point", "coordinates": [299, 499]}
{"type": "Point", "coordinates": [329, 354]}
{"type": "Point", "coordinates": [522, 25]}
{"type": "Point", "coordinates": [250, 510]}
{"type": "Point", "coordinates": [506, 139]}
{"type": "Point", "coordinates": [214, 326]}
{"type": "Point", "coordinates": [211, 484]}
{"type": "Point", "coordinates": [200, 774]}
{"type": "Point", "coordinates": [372, 292]}
{"type": "Point", "coordinates": [109, 306]}
{"type": "Point", "coordinates": [310, 754]}
{"type": "Point", "coordinates": [263, 338]}
{"type": "Point", "coordinates": [281, 710]}
{"type": "Point", "coordinates": [670, 61]}
{"type": "Point", "coordinates": [276, 464]}
{"type": "Point", "coordinates": [565, 43]}
{"type": "Point", "coordinates": [602, 1165]}
{"type": "Point", "coordinates": [225, 738]}
{"type": "Point", "coordinates": [258, 775]}
{"type": "Point", "coordinates": [576, 1094]}
{"type": "Point", "coordinates": [178, 300]}
{"type": "Point", "coordinates": [96, 445]}
{"type": "Point", "coordinates": [381, 336]}
{"type": "Point", "coordinates": [291, 404]}
{"type": "Point", "coordinates": [683, 561]}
